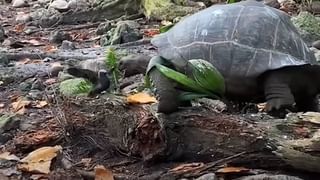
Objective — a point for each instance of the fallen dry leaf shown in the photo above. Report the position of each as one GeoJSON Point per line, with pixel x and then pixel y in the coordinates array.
{"type": "Point", "coordinates": [20, 105]}
{"type": "Point", "coordinates": [102, 173]}
{"type": "Point", "coordinates": [41, 104]}
{"type": "Point", "coordinates": [39, 161]}
{"type": "Point", "coordinates": [232, 170]}
{"type": "Point", "coordinates": [50, 48]}
{"type": "Point", "coordinates": [151, 32]}
{"type": "Point", "coordinates": [29, 61]}
{"type": "Point", "coordinates": [19, 28]}
{"type": "Point", "coordinates": [141, 98]}
{"type": "Point", "coordinates": [9, 156]}
{"type": "Point", "coordinates": [187, 168]}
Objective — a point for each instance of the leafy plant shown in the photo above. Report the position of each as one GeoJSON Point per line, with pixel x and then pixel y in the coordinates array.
{"type": "Point", "coordinates": [231, 1]}
{"type": "Point", "coordinates": [112, 64]}
{"type": "Point", "coordinates": [165, 28]}
{"type": "Point", "coordinates": [206, 82]}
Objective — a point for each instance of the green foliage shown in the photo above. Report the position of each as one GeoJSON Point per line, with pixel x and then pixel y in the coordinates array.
{"type": "Point", "coordinates": [166, 28]}
{"type": "Point", "coordinates": [113, 65]}
{"type": "Point", "coordinates": [307, 22]}
{"type": "Point", "coordinates": [231, 1]}
{"type": "Point", "coordinates": [206, 82]}
{"type": "Point", "coordinates": [207, 76]}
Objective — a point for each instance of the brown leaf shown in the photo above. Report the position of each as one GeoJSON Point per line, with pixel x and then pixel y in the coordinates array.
{"type": "Point", "coordinates": [41, 104]}
{"type": "Point", "coordinates": [50, 81]}
{"type": "Point", "coordinates": [39, 161]}
{"type": "Point", "coordinates": [20, 105]}
{"type": "Point", "coordinates": [141, 98]}
{"type": "Point", "coordinates": [50, 48]}
{"type": "Point", "coordinates": [187, 168]}
{"type": "Point", "coordinates": [8, 156]}
{"type": "Point", "coordinates": [19, 28]}
{"type": "Point", "coordinates": [101, 173]}
{"type": "Point", "coordinates": [226, 170]}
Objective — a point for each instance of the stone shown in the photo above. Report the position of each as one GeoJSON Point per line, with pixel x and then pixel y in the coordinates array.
{"type": "Point", "coordinates": [103, 28]}
{"type": "Point", "coordinates": [308, 26]}
{"type": "Point", "coordinates": [58, 37]}
{"type": "Point", "coordinates": [19, 3]}
{"type": "Point", "coordinates": [316, 44]}
{"type": "Point", "coordinates": [37, 85]}
{"type": "Point", "coordinates": [209, 176]}
{"type": "Point", "coordinates": [78, 4]}
{"type": "Point", "coordinates": [2, 34]}
{"type": "Point", "coordinates": [23, 18]}
{"type": "Point", "coordinates": [68, 45]}
{"type": "Point", "coordinates": [126, 31]}
{"type": "Point", "coordinates": [55, 70]}
{"type": "Point", "coordinates": [134, 64]}
{"type": "Point", "coordinates": [60, 5]}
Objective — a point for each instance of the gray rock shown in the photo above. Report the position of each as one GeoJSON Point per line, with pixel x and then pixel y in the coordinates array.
{"type": "Point", "coordinates": [55, 70]}
{"type": "Point", "coordinates": [67, 45]}
{"type": "Point", "coordinates": [2, 34]}
{"type": "Point", "coordinates": [103, 28]}
{"type": "Point", "coordinates": [126, 31]}
{"type": "Point", "coordinates": [316, 53]}
{"type": "Point", "coordinates": [134, 64]}
{"type": "Point", "coordinates": [25, 86]}
{"type": "Point", "coordinates": [209, 176]}
{"type": "Point", "coordinates": [23, 18]}
{"type": "Point", "coordinates": [35, 95]}
{"type": "Point", "coordinates": [59, 36]}
{"type": "Point", "coordinates": [46, 17]}
{"type": "Point", "coordinates": [308, 26]}
{"type": "Point", "coordinates": [60, 5]}
{"type": "Point", "coordinates": [19, 3]}
{"type": "Point", "coordinates": [78, 4]}
{"type": "Point", "coordinates": [4, 60]}
{"type": "Point", "coordinates": [269, 177]}
{"type": "Point", "coordinates": [93, 64]}
{"type": "Point", "coordinates": [37, 85]}
{"type": "Point", "coordinates": [316, 44]}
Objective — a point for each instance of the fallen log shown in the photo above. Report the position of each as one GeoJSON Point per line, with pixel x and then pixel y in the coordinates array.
{"type": "Point", "coordinates": [204, 135]}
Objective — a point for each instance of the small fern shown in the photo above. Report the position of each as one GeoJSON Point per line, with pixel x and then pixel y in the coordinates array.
{"type": "Point", "coordinates": [112, 65]}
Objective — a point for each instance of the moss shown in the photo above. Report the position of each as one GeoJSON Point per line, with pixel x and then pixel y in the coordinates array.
{"type": "Point", "coordinates": [307, 23]}
{"type": "Point", "coordinates": [77, 86]}
{"type": "Point", "coordinates": [165, 9]}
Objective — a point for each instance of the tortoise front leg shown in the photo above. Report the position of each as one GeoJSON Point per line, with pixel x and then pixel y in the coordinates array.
{"type": "Point", "coordinates": [165, 89]}
{"type": "Point", "coordinates": [278, 95]}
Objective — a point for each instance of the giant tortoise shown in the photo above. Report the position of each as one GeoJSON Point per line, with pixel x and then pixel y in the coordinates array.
{"type": "Point", "coordinates": [255, 47]}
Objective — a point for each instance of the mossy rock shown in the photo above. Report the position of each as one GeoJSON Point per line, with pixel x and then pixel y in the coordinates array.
{"type": "Point", "coordinates": [165, 9]}
{"type": "Point", "coordinates": [308, 26]}
{"type": "Point", "coordinates": [75, 87]}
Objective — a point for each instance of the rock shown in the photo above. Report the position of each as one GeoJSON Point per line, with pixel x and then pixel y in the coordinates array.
{"type": "Point", "coordinates": [46, 17]}
{"type": "Point", "coordinates": [103, 28]}
{"type": "Point", "coordinates": [316, 44]}
{"type": "Point", "coordinates": [166, 9]}
{"type": "Point", "coordinates": [25, 86]}
{"type": "Point", "coordinates": [47, 59]}
{"type": "Point", "coordinates": [272, 3]}
{"type": "Point", "coordinates": [62, 76]}
{"type": "Point", "coordinates": [2, 34]}
{"type": "Point", "coordinates": [59, 36]}
{"type": "Point", "coordinates": [8, 122]}
{"type": "Point", "coordinates": [78, 4]}
{"type": "Point", "coordinates": [308, 26]}
{"type": "Point", "coordinates": [94, 64]}
{"type": "Point", "coordinates": [23, 18]}
{"type": "Point", "coordinates": [4, 60]}
{"type": "Point", "coordinates": [314, 7]}
{"type": "Point", "coordinates": [215, 105]}
{"type": "Point", "coordinates": [134, 64]}
{"type": "Point", "coordinates": [37, 85]}
{"type": "Point", "coordinates": [60, 5]}
{"type": "Point", "coordinates": [55, 70]}
{"type": "Point", "coordinates": [126, 31]}
{"type": "Point", "coordinates": [19, 3]}
{"type": "Point", "coordinates": [67, 45]}
{"type": "Point", "coordinates": [209, 176]}
{"type": "Point", "coordinates": [269, 177]}
{"type": "Point", "coordinates": [316, 53]}
{"type": "Point", "coordinates": [35, 95]}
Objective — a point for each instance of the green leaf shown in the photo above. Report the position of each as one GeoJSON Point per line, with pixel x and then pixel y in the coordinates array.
{"type": "Point", "coordinates": [183, 80]}
{"type": "Point", "coordinates": [207, 76]}
{"type": "Point", "coordinates": [166, 28]}
{"type": "Point", "coordinates": [231, 1]}
{"type": "Point", "coordinates": [113, 66]}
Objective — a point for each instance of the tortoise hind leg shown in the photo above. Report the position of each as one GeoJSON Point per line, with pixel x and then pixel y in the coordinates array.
{"type": "Point", "coordinates": [278, 95]}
